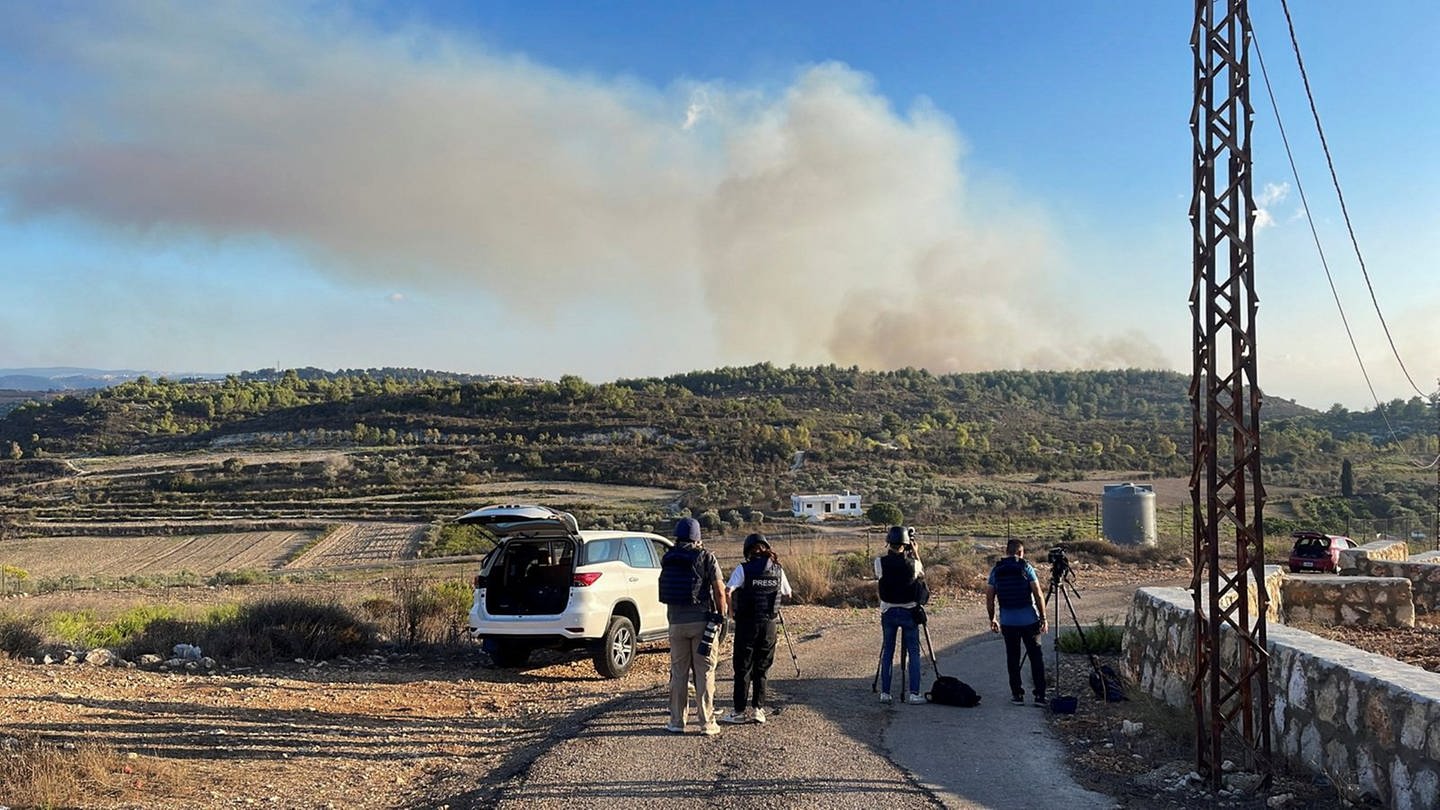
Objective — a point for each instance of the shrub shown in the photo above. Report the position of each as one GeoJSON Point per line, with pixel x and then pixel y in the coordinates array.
{"type": "Point", "coordinates": [129, 632]}
{"type": "Point", "coordinates": [427, 612]}
{"type": "Point", "coordinates": [18, 636]}
{"type": "Point", "coordinates": [853, 565]}
{"type": "Point", "coordinates": [244, 576]}
{"type": "Point", "coordinates": [268, 630]}
{"type": "Point", "coordinates": [1102, 638]}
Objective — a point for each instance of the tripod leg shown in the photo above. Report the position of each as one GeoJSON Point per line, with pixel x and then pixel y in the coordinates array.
{"type": "Point", "coordinates": [904, 673]}
{"type": "Point", "coordinates": [879, 662]}
{"type": "Point", "coordinates": [788, 643]}
{"type": "Point", "coordinates": [930, 645]}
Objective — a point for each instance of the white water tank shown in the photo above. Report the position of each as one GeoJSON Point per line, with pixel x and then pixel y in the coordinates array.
{"type": "Point", "coordinates": [1128, 514]}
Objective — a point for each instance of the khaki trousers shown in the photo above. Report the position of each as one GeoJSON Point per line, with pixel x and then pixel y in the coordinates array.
{"type": "Point", "coordinates": [685, 661]}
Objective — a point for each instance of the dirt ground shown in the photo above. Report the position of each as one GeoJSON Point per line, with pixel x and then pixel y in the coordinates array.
{"type": "Point", "coordinates": [400, 730]}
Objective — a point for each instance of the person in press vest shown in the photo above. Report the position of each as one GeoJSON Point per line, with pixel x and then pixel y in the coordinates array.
{"type": "Point", "coordinates": [900, 576]}
{"type": "Point", "coordinates": [756, 587]}
{"type": "Point", "coordinates": [694, 594]}
{"type": "Point", "coordinates": [1014, 584]}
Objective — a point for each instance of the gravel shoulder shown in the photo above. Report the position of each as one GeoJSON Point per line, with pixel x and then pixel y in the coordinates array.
{"type": "Point", "coordinates": [398, 731]}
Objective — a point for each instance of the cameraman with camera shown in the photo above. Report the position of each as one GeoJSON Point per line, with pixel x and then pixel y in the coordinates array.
{"type": "Point", "coordinates": [902, 590]}
{"type": "Point", "coordinates": [1014, 583]}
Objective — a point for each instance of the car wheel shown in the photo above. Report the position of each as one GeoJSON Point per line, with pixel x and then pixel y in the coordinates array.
{"type": "Point", "coordinates": [616, 651]}
{"type": "Point", "coordinates": [509, 654]}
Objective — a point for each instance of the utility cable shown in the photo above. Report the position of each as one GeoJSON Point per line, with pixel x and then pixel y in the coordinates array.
{"type": "Point", "coordinates": [1315, 113]}
{"type": "Point", "coordinates": [1320, 250]}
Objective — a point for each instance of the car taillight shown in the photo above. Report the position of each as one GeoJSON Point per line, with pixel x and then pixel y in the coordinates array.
{"type": "Point", "coordinates": [586, 580]}
{"type": "Point", "coordinates": [479, 581]}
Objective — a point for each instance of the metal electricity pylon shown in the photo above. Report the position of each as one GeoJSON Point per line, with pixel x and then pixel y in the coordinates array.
{"type": "Point", "coordinates": [1230, 690]}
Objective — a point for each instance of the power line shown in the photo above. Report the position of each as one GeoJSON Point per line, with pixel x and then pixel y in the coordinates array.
{"type": "Point", "coordinates": [1319, 247]}
{"type": "Point", "coordinates": [1335, 180]}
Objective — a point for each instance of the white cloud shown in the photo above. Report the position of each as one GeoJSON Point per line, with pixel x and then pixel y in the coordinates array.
{"type": "Point", "coordinates": [1271, 196]}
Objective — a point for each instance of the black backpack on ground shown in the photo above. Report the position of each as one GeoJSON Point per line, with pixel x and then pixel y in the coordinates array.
{"type": "Point", "coordinates": [1107, 685]}
{"type": "Point", "coordinates": [947, 690]}
{"type": "Point", "coordinates": [950, 691]}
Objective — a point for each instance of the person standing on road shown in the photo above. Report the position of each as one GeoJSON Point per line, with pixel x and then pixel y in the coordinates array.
{"type": "Point", "coordinates": [901, 580]}
{"type": "Point", "coordinates": [1016, 586]}
{"type": "Point", "coordinates": [755, 588]}
{"type": "Point", "coordinates": [694, 594]}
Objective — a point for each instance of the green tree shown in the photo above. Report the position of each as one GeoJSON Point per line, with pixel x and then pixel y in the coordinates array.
{"type": "Point", "coordinates": [1347, 479]}
{"type": "Point", "coordinates": [885, 514]}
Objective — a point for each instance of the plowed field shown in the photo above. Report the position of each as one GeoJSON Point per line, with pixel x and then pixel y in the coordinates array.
{"type": "Point", "coordinates": [363, 543]}
{"type": "Point", "coordinates": [121, 556]}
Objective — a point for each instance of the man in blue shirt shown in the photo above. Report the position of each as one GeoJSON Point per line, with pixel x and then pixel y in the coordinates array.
{"type": "Point", "coordinates": [1016, 586]}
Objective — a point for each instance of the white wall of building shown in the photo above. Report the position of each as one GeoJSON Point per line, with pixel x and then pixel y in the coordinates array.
{"type": "Point", "coordinates": [823, 506]}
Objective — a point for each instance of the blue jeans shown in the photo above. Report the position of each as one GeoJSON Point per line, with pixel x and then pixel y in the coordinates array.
{"type": "Point", "coordinates": [902, 620]}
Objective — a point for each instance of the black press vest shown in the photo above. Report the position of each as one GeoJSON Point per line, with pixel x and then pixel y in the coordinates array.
{"type": "Point", "coordinates": [1011, 586]}
{"type": "Point", "coordinates": [682, 577]}
{"type": "Point", "coordinates": [898, 583]}
{"type": "Point", "coordinates": [757, 597]}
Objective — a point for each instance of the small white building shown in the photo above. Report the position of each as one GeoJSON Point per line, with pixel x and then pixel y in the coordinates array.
{"type": "Point", "coordinates": [823, 506]}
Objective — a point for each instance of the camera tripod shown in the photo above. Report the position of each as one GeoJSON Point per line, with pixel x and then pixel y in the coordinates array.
{"type": "Point", "coordinates": [1062, 582]}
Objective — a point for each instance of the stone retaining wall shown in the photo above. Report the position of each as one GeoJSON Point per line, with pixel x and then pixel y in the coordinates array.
{"type": "Point", "coordinates": [1424, 578]}
{"type": "Point", "coordinates": [1396, 550]}
{"type": "Point", "coordinates": [1330, 599]}
{"type": "Point", "coordinates": [1425, 556]}
{"type": "Point", "coordinates": [1367, 722]}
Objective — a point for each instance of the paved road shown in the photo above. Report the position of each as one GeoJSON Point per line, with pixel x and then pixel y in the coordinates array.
{"type": "Point", "coordinates": [830, 743]}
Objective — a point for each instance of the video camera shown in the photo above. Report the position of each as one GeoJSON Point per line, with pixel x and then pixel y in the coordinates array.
{"type": "Point", "coordinates": [1059, 564]}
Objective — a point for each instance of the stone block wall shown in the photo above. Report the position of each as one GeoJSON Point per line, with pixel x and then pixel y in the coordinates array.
{"type": "Point", "coordinates": [1362, 720]}
{"type": "Point", "coordinates": [1424, 578]}
{"type": "Point", "coordinates": [1377, 601]}
{"type": "Point", "coordinates": [1274, 599]}
{"type": "Point", "coordinates": [1396, 550]}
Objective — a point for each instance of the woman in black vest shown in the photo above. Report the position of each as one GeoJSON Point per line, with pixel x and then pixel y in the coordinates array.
{"type": "Point", "coordinates": [899, 573]}
{"type": "Point", "coordinates": [755, 588]}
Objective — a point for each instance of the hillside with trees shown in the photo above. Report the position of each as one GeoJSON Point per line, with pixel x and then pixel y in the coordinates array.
{"type": "Point", "coordinates": [735, 440]}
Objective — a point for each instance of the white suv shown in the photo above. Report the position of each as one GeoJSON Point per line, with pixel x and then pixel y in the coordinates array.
{"type": "Point", "coordinates": [549, 584]}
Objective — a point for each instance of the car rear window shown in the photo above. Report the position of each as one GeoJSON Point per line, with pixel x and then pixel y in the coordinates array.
{"type": "Point", "coordinates": [633, 551]}
{"type": "Point", "coordinates": [599, 551]}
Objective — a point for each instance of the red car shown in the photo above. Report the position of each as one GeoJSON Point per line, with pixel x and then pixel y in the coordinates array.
{"type": "Point", "coordinates": [1314, 551]}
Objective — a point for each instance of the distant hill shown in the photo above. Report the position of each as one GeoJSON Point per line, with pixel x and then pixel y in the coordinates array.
{"type": "Point", "coordinates": [65, 378]}
{"type": "Point", "coordinates": [728, 437]}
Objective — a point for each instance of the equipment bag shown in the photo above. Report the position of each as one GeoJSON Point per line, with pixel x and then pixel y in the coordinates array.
{"type": "Point", "coordinates": [950, 691]}
{"type": "Point", "coordinates": [1107, 685]}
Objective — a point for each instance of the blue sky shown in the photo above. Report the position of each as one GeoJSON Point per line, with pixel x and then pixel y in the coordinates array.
{"type": "Point", "coordinates": [627, 189]}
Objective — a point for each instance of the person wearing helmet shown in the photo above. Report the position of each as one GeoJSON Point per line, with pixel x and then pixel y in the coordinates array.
{"type": "Point", "coordinates": [756, 587]}
{"type": "Point", "coordinates": [901, 585]}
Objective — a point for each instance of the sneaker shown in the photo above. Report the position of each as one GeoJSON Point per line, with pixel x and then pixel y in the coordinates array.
{"type": "Point", "coordinates": [759, 715]}
{"type": "Point", "coordinates": [885, 698]}
{"type": "Point", "coordinates": [735, 718]}
{"type": "Point", "coordinates": [1041, 702]}
{"type": "Point", "coordinates": [710, 729]}
{"type": "Point", "coordinates": [1018, 700]}
{"type": "Point", "coordinates": [915, 699]}
{"type": "Point", "coordinates": [674, 729]}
